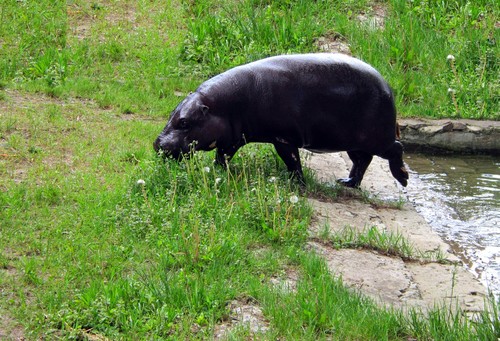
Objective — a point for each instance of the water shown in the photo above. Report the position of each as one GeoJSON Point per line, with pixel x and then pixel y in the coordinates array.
{"type": "Point", "coordinates": [460, 197]}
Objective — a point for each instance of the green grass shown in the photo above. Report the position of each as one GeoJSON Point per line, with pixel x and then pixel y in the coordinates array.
{"type": "Point", "coordinates": [385, 243]}
{"type": "Point", "coordinates": [88, 250]}
{"type": "Point", "coordinates": [135, 55]}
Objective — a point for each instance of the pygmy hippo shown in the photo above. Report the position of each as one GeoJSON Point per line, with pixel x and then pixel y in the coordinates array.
{"type": "Point", "coordinates": [321, 102]}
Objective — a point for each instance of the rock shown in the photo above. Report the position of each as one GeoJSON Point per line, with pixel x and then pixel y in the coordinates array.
{"type": "Point", "coordinates": [465, 136]}
{"type": "Point", "coordinates": [386, 279]}
{"type": "Point", "coordinates": [431, 130]}
{"type": "Point", "coordinates": [447, 127]}
{"type": "Point", "coordinates": [459, 126]}
{"type": "Point", "coordinates": [475, 129]}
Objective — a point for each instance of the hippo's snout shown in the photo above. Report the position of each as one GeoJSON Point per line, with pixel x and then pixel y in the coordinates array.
{"type": "Point", "coordinates": [163, 148]}
{"type": "Point", "coordinates": [156, 145]}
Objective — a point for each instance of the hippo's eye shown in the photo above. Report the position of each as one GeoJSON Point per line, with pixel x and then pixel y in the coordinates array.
{"type": "Point", "coordinates": [182, 124]}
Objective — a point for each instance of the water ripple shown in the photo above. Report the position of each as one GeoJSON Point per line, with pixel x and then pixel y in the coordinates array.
{"type": "Point", "coordinates": [460, 198]}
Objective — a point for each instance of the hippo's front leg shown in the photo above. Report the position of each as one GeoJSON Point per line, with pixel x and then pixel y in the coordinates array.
{"type": "Point", "coordinates": [223, 155]}
{"type": "Point", "coordinates": [290, 155]}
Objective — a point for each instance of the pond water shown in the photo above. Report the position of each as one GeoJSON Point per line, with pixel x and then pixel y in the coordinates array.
{"type": "Point", "coordinates": [460, 197]}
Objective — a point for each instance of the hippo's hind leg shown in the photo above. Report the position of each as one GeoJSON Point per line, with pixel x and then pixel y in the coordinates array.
{"type": "Point", "coordinates": [395, 156]}
{"type": "Point", "coordinates": [290, 155]}
{"type": "Point", "coordinates": [360, 162]}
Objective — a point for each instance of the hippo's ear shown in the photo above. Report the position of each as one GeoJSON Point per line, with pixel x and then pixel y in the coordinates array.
{"type": "Point", "coordinates": [204, 109]}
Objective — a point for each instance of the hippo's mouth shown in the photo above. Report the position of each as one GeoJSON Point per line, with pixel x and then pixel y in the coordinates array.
{"type": "Point", "coordinates": [177, 155]}
{"type": "Point", "coordinates": [164, 150]}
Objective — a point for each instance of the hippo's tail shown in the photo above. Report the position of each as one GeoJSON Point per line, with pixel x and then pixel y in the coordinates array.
{"type": "Point", "coordinates": [398, 131]}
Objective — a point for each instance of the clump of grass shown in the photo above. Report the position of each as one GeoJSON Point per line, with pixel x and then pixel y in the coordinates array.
{"type": "Point", "coordinates": [323, 315]}
{"type": "Point", "coordinates": [386, 243]}
{"type": "Point", "coordinates": [454, 324]}
{"type": "Point", "coordinates": [250, 31]}
{"type": "Point", "coordinates": [233, 192]}
{"type": "Point", "coordinates": [377, 202]}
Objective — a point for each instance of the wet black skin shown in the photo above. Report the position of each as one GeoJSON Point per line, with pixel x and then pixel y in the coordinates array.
{"type": "Point", "coordinates": [320, 102]}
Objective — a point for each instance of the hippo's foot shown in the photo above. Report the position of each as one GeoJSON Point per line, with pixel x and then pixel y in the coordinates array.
{"type": "Point", "coordinates": [349, 182]}
{"type": "Point", "coordinates": [399, 171]}
{"type": "Point", "coordinates": [299, 177]}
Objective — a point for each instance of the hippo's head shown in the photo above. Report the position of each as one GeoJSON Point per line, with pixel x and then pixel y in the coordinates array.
{"type": "Point", "coordinates": [192, 126]}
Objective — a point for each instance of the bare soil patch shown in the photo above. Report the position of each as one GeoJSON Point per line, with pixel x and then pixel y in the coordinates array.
{"type": "Point", "coordinates": [9, 329]}
{"type": "Point", "coordinates": [375, 17]}
{"type": "Point", "coordinates": [81, 19]}
{"type": "Point", "coordinates": [242, 314]}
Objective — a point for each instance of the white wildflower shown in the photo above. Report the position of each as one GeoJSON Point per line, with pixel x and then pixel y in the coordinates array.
{"type": "Point", "coordinates": [272, 179]}
{"type": "Point", "coordinates": [141, 182]}
{"type": "Point", "coordinates": [206, 169]}
{"type": "Point", "coordinates": [217, 181]}
{"type": "Point", "coordinates": [451, 91]}
{"type": "Point", "coordinates": [294, 199]}
{"type": "Point", "coordinates": [450, 57]}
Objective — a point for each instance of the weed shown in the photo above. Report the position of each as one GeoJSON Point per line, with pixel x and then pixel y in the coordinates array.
{"type": "Point", "coordinates": [393, 244]}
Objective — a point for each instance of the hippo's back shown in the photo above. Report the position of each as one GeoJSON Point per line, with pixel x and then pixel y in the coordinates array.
{"type": "Point", "coordinates": [320, 101]}
{"type": "Point", "coordinates": [315, 69]}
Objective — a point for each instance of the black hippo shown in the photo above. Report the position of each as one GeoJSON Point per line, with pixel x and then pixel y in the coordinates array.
{"type": "Point", "coordinates": [321, 102]}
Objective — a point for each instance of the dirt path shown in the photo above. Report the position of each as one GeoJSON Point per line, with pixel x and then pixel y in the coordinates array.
{"type": "Point", "coordinates": [389, 279]}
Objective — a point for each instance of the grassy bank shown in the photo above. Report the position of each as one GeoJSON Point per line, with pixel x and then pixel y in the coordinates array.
{"type": "Point", "coordinates": [99, 239]}
{"type": "Point", "coordinates": [135, 55]}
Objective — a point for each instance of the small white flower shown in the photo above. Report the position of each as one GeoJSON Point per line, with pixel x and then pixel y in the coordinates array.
{"type": "Point", "coordinates": [294, 199]}
{"type": "Point", "coordinates": [450, 90]}
{"type": "Point", "coordinates": [207, 169]}
{"type": "Point", "coordinates": [272, 179]}
{"type": "Point", "coordinates": [141, 182]}
{"type": "Point", "coordinates": [450, 57]}
{"type": "Point", "coordinates": [217, 181]}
